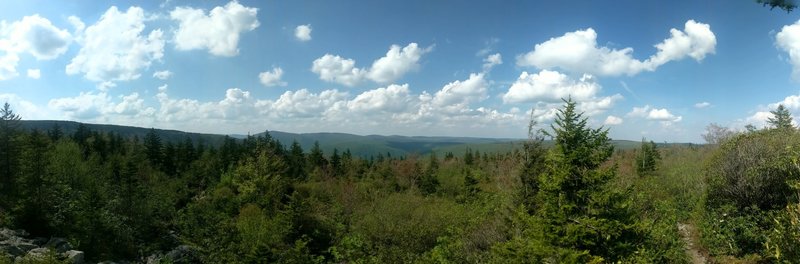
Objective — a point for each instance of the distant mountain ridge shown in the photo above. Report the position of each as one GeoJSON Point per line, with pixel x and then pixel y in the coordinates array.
{"type": "Point", "coordinates": [363, 146]}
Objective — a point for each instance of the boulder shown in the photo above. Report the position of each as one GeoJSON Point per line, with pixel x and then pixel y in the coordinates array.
{"type": "Point", "coordinates": [182, 254]}
{"type": "Point", "coordinates": [73, 257]}
{"type": "Point", "coordinates": [37, 254]}
{"type": "Point", "coordinates": [12, 250]}
{"type": "Point", "coordinates": [60, 245]}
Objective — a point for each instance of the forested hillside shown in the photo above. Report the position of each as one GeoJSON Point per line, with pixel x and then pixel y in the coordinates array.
{"type": "Point", "coordinates": [255, 200]}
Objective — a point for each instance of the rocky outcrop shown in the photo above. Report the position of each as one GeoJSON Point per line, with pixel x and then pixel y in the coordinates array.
{"type": "Point", "coordinates": [14, 246]}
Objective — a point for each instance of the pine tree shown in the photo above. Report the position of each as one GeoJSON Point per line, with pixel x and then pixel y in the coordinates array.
{"type": "Point", "coordinates": [647, 158]}
{"type": "Point", "coordinates": [781, 118]}
{"type": "Point", "coordinates": [153, 148]}
{"type": "Point", "coordinates": [9, 150]}
{"type": "Point", "coordinates": [316, 158]}
{"type": "Point", "coordinates": [336, 163]}
{"type": "Point", "coordinates": [578, 210]}
{"type": "Point", "coordinates": [296, 162]}
{"type": "Point", "coordinates": [55, 133]}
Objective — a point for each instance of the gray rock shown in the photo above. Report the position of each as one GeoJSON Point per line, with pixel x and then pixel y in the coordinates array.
{"type": "Point", "coordinates": [182, 254]}
{"type": "Point", "coordinates": [73, 256]}
{"type": "Point", "coordinates": [22, 233]}
{"type": "Point", "coordinates": [37, 254]}
{"type": "Point", "coordinates": [6, 233]}
{"type": "Point", "coordinates": [61, 245]}
{"type": "Point", "coordinates": [12, 250]}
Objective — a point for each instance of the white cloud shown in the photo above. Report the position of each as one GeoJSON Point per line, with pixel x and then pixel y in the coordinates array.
{"type": "Point", "coordinates": [24, 108]}
{"type": "Point", "coordinates": [115, 49]}
{"type": "Point", "coordinates": [303, 32]}
{"type": "Point", "coordinates": [492, 60]}
{"type": "Point", "coordinates": [272, 78]}
{"type": "Point", "coordinates": [8, 66]}
{"type": "Point", "coordinates": [219, 31]}
{"type": "Point", "coordinates": [550, 86]}
{"type": "Point", "coordinates": [578, 52]}
{"type": "Point", "coordinates": [162, 75]}
{"type": "Point", "coordinates": [397, 62]}
{"type": "Point", "coordinates": [758, 119]}
{"type": "Point", "coordinates": [85, 106]}
{"type": "Point", "coordinates": [460, 93]}
{"type": "Point", "coordinates": [394, 98]}
{"type": "Point", "coordinates": [702, 105]}
{"type": "Point", "coordinates": [337, 69]}
{"type": "Point", "coordinates": [612, 120]}
{"type": "Point", "coordinates": [302, 103]}
{"type": "Point", "coordinates": [488, 47]}
{"type": "Point", "coordinates": [788, 40]}
{"type": "Point", "coordinates": [33, 34]}
{"type": "Point", "coordinates": [655, 114]}
{"type": "Point", "coordinates": [34, 73]}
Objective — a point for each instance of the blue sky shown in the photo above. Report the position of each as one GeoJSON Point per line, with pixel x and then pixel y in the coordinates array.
{"type": "Point", "coordinates": [660, 70]}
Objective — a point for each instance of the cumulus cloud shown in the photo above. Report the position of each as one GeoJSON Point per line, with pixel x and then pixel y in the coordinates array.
{"type": "Point", "coordinates": [302, 103]}
{"type": "Point", "coordinates": [393, 98]}
{"type": "Point", "coordinates": [550, 86]}
{"type": "Point", "coordinates": [612, 120]}
{"type": "Point", "coordinates": [162, 75]}
{"type": "Point", "coordinates": [303, 32]}
{"type": "Point", "coordinates": [35, 35]}
{"type": "Point", "coordinates": [460, 93]}
{"type": "Point", "coordinates": [115, 48]}
{"type": "Point", "coordinates": [24, 108]}
{"type": "Point", "coordinates": [272, 78]}
{"type": "Point", "coordinates": [702, 105]}
{"type": "Point", "coordinates": [336, 69]}
{"type": "Point", "coordinates": [788, 40]}
{"type": "Point", "coordinates": [492, 60]}
{"type": "Point", "coordinates": [218, 31]}
{"type": "Point", "coordinates": [34, 73]}
{"type": "Point", "coordinates": [578, 52]}
{"type": "Point", "coordinates": [651, 113]}
{"type": "Point", "coordinates": [396, 63]}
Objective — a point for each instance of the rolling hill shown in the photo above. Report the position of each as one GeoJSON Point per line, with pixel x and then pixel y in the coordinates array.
{"type": "Point", "coordinates": [362, 146]}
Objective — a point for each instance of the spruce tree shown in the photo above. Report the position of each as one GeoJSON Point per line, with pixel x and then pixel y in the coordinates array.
{"type": "Point", "coordinates": [647, 158]}
{"type": "Point", "coordinates": [9, 149]}
{"type": "Point", "coordinates": [579, 212]}
{"type": "Point", "coordinates": [781, 118]}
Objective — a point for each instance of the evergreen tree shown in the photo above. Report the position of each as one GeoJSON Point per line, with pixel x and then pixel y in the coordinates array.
{"type": "Point", "coordinates": [9, 150]}
{"type": "Point", "coordinates": [153, 148]}
{"type": "Point", "coordinates": [579, 212]}
{"type": "Point", "coordinates": [781, 118]}
{"type": "Point", "coordinates": [647, 158]}
{"type": "Point", "coordinates": [336, 163]}
{"type": "Point", "coordinates": [315, 157]}
{"type": "Point", "coordinates": [55, 133]}
{"type": "Point", "coordinates": [296, 162]}
{"type": "Point", "coordinates": [31, 182]}
{"type": "Point", "coordinates": [468, 157]}
{"type": "Point", "coordinates": [428, 183]}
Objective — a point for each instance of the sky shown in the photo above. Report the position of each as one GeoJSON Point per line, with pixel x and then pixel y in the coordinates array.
{"type": "Point", "coordinates": [643, 69]}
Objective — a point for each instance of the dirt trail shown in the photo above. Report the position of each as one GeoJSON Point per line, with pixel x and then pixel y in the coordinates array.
{"type": "Point", "coordinates": [689, 235]}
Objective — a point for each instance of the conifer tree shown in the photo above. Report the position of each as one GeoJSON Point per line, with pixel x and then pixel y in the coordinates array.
{"type": "Point", "coordinates": [578, 210]}
{"type": "Point", "coordinates": [781, 118]}
{"type": "Point", "coordinates": [647, 158]}
{"type": "Point", "coordinates": [9, 149]}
